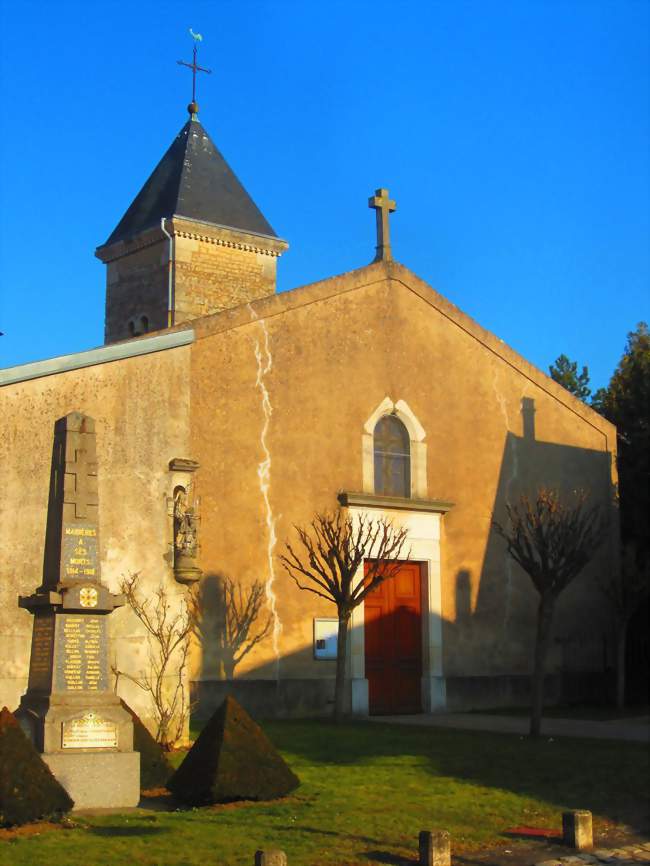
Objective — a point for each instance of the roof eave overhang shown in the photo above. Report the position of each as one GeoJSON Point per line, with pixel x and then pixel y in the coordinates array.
{"type": "Point", "coordinates": [183, 226]}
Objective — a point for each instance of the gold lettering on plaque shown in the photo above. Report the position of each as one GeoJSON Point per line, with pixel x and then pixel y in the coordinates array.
{"type": "Point", "coordinates": [89, 732]}
{"type": "Point", "coordinates": [81, 659]}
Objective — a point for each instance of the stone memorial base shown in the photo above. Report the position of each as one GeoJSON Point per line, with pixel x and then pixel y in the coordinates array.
{"type": "Point", "coordinates": [87, 742]}
{"type": "Point", "coordinates": [108, 780]}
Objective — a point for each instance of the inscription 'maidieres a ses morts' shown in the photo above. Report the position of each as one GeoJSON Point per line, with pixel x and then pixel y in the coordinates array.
{"type": "Point", "coordinates": [81, 659]}
{"type": "Point", "coordinates": [79, 555]}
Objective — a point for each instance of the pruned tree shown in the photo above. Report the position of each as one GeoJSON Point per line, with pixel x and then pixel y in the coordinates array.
{"type": "Point", "coordinates": [239, 626]}
{"type": "Point", "coordinates": [626, 591]}
{"type": "Point", "coordinates": [552, 540]}
{"type": "Point", "coordinates": [168, 629]}
{"type": "Point", "coordinates": [328, 559]}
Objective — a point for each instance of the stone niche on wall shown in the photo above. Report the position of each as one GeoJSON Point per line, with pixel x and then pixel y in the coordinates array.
{"type": "Point", "coordinates": [184, 521]}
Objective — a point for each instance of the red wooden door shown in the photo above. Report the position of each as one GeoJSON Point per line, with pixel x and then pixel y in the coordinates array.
{"type": "Point", "coordinates": [393, 643]}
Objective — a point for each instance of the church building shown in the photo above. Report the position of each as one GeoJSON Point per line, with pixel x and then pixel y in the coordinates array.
{"type": "Point", "coordinates": [226, 414]}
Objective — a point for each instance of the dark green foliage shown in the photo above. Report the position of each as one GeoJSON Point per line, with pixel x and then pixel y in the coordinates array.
{"type": "Point", "coordinates": [28, 790]}
{"type": "Point", "coordinates": [626, 403]}
{"type": "Point", "coordinates": [565, 372]}
{"type": "Point", "coordinates": [232, 759]}
{"type": "Point", "coordinates": [155, 769]}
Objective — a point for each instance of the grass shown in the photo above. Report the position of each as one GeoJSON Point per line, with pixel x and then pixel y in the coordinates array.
{"type": "Point", "coordinates": [367, 789]}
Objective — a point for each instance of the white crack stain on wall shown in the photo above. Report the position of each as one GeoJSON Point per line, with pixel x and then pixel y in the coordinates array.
{"type": "Point", "coordinates": [508, 487]}
{"type": "Point", "coordinates": [264, 361]}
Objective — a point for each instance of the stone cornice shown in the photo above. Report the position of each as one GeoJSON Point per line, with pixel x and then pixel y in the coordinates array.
{"type": "Point", "coordinates": [399, 503]}
{"type": "Point", "coordinates": [194, 230]}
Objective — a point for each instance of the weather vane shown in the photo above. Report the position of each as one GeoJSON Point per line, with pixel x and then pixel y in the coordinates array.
{"type": "Point", "coordinates": [193, 107]}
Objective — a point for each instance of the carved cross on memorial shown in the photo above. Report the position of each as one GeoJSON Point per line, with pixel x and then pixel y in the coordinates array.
{"type": "Point", "coordinates": [70, 710]}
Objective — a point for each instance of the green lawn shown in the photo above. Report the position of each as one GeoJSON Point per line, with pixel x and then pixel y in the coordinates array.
{"type": "Point", "coordinates": [367, 789]}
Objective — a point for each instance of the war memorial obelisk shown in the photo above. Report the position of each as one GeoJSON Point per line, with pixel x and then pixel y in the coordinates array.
{"type": "Point", "coordinates": [70, 710]}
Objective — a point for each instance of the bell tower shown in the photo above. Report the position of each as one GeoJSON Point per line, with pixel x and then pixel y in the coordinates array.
{"type": "Point", "coordinates": [192, 243]}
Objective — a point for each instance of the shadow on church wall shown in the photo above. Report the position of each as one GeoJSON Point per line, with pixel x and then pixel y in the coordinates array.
{"type": "Point", "coordinates": [495, 615]}
{"type": "Point", "coordinates": [493, 636]}
{"type": "Point", "coordinates": [504, 594]}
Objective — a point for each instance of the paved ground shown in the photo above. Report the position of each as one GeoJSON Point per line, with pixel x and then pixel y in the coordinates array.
{"type": "Point", "coordinates": [634, 729]}
{"type": "Point", "coordinates": [630, 855]}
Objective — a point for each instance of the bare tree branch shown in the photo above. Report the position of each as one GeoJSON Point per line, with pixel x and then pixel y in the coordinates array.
{"type": "Point", "coordinates": [168, 636]}
{"type": "Point", "coordinates": [330, 554]}
{"type": "Point", "coordinates": [552, 540]}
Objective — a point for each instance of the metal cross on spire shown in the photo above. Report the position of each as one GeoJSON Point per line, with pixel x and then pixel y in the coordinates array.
{"type": "Point", "coordinates": [193, 107]}
{"type": "Point", "coordinates": [383, 206]}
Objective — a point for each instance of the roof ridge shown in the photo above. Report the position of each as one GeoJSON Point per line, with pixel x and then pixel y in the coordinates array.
{"type": "Point", "coordinates": [187, 126]}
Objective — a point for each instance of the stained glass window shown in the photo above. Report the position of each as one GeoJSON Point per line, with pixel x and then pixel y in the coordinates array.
{"type": "Point", "coordinates": [392, 450]}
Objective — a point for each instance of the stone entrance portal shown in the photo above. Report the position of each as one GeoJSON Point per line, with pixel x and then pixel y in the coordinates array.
{"type": "Point", "coordinates": [393, 643]}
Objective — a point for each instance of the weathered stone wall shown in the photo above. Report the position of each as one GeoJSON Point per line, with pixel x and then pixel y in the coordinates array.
{"type": "Point", "coordinates": [278, 432]}
{"type": "Point", "coordinates": [213, 269]}
{"type": "Point", "coordinates": [211, 277]}
{"type": "Point", "coordinates": [141, 410]}
{"type": "Point", "coordinates": [271, 400]}
{"type": "Point", "coordinates": [137, 285]}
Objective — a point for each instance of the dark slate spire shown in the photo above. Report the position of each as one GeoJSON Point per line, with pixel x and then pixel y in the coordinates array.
{"type": "Point", "coordinates": [194, 181]}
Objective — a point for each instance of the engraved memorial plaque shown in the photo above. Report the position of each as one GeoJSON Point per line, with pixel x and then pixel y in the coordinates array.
{"type": "Point", "coordinates": [81, 660]}
{"type": "Point", "coordinates": [79, 551]}
{"type": "Point", "coordinates": [40, 665]}
{"type": "Point", "coordinates": [90, 731]}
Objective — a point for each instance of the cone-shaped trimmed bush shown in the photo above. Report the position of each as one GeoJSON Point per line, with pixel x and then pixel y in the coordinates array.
{"type": "Point", "coordinates": [232, 759]}
{"type": "Point", "coordinates": [28, 790]}
{"type": "Point", "coordinates": [155, 769]}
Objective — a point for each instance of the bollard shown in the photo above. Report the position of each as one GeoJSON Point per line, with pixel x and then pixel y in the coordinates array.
{"type": "Point", "coordinates": [576, 829]}
{"type": "Point", "coordinates": [434, 848]}
{"type": "Point", "coordinates": [270, 857]}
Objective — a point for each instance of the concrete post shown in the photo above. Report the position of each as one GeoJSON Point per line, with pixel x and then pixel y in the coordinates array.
{"type": "Point", "coordinates": [270, 857]}
{"type": "Point", "coordinates": [435, 849]}
{"type": "Point", "coordinates": [576, 829]}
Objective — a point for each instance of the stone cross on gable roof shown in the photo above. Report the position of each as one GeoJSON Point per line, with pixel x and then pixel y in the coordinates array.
{"type": "Point", "coordinates": [383, 206]}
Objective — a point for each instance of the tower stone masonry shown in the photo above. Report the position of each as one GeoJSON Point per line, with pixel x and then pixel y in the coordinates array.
{"type": "Point", "coordinates": [192, 243]}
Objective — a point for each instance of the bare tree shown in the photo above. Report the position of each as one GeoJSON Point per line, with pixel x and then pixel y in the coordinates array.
{"type": "Point", "coordinates": [168, 634]}
{"type": "Point", "coordinates": [331, 551]}
{"type": "Point", "coordinates": [552, 541]}
{"type": "Point", "coordinates": [626, 591]}
{"type": "Point", "coordinates": [238, 628]}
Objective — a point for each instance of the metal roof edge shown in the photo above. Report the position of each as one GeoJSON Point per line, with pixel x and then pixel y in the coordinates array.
{"type": "Point", "coordinates": [93, 357]}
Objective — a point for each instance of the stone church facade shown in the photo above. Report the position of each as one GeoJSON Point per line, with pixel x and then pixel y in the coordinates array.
{"type": "Point", "coordinates": [260, 409]}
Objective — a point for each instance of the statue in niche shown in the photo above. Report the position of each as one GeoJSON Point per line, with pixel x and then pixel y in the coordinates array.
{"type": "Point", "coordinates": [186, 545]}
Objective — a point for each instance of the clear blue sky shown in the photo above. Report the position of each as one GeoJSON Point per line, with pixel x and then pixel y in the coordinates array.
{"type": "Point", "coordinates": [513, 135]}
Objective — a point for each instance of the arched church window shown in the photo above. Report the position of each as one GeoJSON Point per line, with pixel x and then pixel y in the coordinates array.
{"type": "Point", "coordinates": [392, 457]}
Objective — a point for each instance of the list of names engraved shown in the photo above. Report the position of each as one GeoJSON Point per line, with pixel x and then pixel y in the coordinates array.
{"type": "Point", "coordinates": [40, 665]}
{"type": "Point", "coordinates": [81, 653]}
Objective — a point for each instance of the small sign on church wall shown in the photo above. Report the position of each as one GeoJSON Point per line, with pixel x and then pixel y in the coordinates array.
{"type": "Point", "coordinates": [326, 632]}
